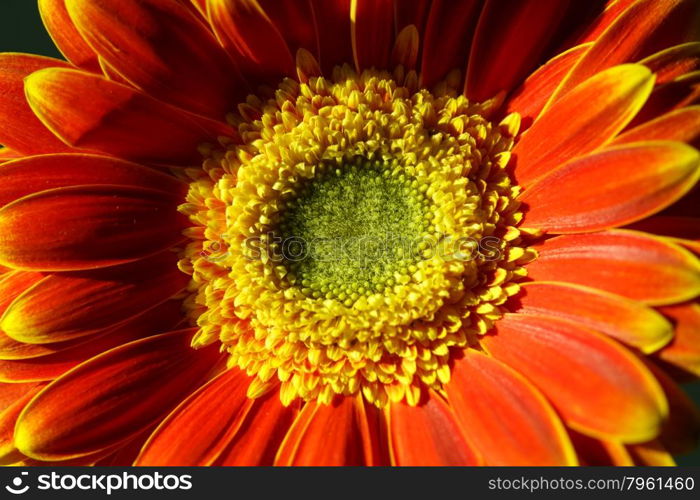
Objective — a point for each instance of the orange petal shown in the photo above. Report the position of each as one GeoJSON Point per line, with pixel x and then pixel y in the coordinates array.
{"type": "Point", "coordinates": [652, 453]}
{"type": "Point", "coordinates": [13, 284]}
{"type": "Point", "coordinates": [163, 49]}
{"type": "Point", "coordinates": [259, 437]}
{"type": "Point", "coordinates": [688, 206]}
{"type": "Point", "coordinates": [567, 129]}
{"type": "Point", "coordinates": [623, 319]}
{"type": "Point", "coordinates": [682, 125]}
{"type": "Point", "coordinates": [66, 37]}
{"type": "Point", "coordinates": [52, 365]}
{"type": "Point", "coordinates": [406, 48]}
{"type": "Point", "coordinates": [674, 62]}
{"type": "Point", "coordinates": [681, 431]}
{"type": "Point", "coordinates": [252, 40]}
{"type": "Point", "coordinates": [598, 452]}
{"type": "Point", "coordinates": [448, 36]}
{"type": "Point", "coordinates": [648, 176]}
{"type": "Point", "coordinates": [9, 393]}
{"type": "Point", "coordinates": [89, 111]}
{"type": "Point", "coordinates": [505, 417]}
{"type": "Point", "coordinates": [627, 263]}
{"type": "Point", "coordinates": [621, 42]}
{"type": "Point", "coordinates": [69, 305]}
{"type": "Point", "coordinates": [86, 461]}
{"type": "Point", "coordinates": [598, 387]}
{"type": "Point", "coordinates": [412, 13]}
{"type": "Point", "coordinates": [591, 31]}
{"type": "Point", "coordinates": [20, 130]}
{"type": "Point", "coordinates": [329, 435]}
{"type": "Point", "coordinates": [680, 26]}
{"type": "Point", "coordinates": [683, 352]}
{"type": "Point", "coordinates": [681, 230]}
{"type": "Point", "coordinates": [31, 174]}
{"type": "Point", "coordinates": [7, 154]}
{"type": "Point", "coordinates": [198, 430]}
{"type": "Point", "coordinates": [372, 30]}
{"type": "Point", "coordinates": [678, 93]}
{"type": "Point", "coordinates": [507, 47]}
{"type": "Point", "coordinates": [294, 20]}
{"type": "Point", "coordinates": [11, 349]}
{"type": "Point", "coordinates": [428, 435]}
{"type": "Point", "coordinates": [332, 21]}
{"type": "Point", "coordinates": [112, 397]}
{"type": "Point", "coordinates": [125, 454]}
{"type": "Point", "coordinates": [530, 97]}
{"type": "Point", "coordinates": [8, 417]}
{"type": "Point", "coordinates": [99, 226]}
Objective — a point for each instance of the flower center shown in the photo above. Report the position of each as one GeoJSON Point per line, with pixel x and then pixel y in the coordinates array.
{"type": "Point", "coordinates": [357, 234]}
{"type": "Point", "coordinates": [352, 229]}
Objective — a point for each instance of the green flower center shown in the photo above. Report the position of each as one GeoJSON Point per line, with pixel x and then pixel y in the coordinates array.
{"type": "Point", "coordinates": [354, 230]}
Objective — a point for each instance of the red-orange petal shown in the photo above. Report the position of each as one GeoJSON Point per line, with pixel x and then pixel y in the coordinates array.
{"type": "Point", "coordinates": [683, 352]}
{"type": "Point", "coordinates": [652, 454]}
{"type": "Point", "coordinates": [680, 92]}
{"type": "Point", "coordinates": [49, 366]}
{"type": "Point", "coordinates": [592, 451]}
{"type": "Point", "coordinates": [252, 39]}
{"type": "Point", "coordinates": [372, 25]}
{"type": "Point", "coordinates": [567, 129]}
{"type": "Point", "coordinates": [11, 349]}
{"type": "Point", "coordinates": [681, 431]}
{"type": "Point", "coordinates": [65, 35]}
{"type": "Point", "coordinates": [112, 397]}
{"type": "Point", "coordinates": [412, 13]}
{"type": "Point", "coordinates": [682, 230]}
{"type": "Point", "coordinates": [259, 437]}
{"type": "Point", "coordinates": [531, 96]}
{"type": "Point", "coordinates": [70, 305]}
{"type": "Point", "coordinates": [13, 284]}
{"type": "Point", "coordinates": [648, 177]}
{"type": "Point", "coordinates": [20, 129]}
{"type": "Point", "coordinates": [674, 62]}
{"type": "Point", "coordinates": [163, 49]}
{"type": "Point", "coordinates": [8, 418]}
{"type": "Point", "coordinates": [332, 21]}
{"type": "Point", "coordinates": [506, 418]}
{"type": "Point", "coordinates": [99, 226]}
{"type": "Point", "coordinates": [198, 430]}
{"type": "Point", "coordinates": [597, 386]}
{"type": "Point", "coordinates": [447, 26]}
{"type": "Point", "coordinates": [91, 112]}
{"type": "Point", "coordinates": [628, 263]}
{"type": "Point", "coordinates": [7, 154]}
{"type": "Point", "coordinates": [509, 41]}
{"type": "Point", "coordinates": [591, 31]}
{"type": "Point", "coordinates": [9, 393]}
{"type": "Point", "coordinates": [329, 435]}
{"type": "Point", "coordinates": [406, 48]}
{"type": "Point", "coordinates": [621, 42]}
{"type": "Point", "coordinates": [428, 435]}
{"type": "Point", "coordinates": [623, 319]}
{"type": "Point", "coordinates": [682, 125]}
{"type": "Point", "coordinates": [294, 20]}
{"type": "Point", "coordinates": [32, 174]}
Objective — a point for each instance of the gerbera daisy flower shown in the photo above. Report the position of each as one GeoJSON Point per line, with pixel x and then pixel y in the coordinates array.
{"type": "Point", "coordinates": [347, 232]}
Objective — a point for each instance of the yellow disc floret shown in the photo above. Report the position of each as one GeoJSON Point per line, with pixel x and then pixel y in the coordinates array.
{"type": "Point", "coordinates": [359, 233]}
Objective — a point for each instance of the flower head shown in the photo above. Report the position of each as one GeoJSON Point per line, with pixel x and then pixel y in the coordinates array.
{"type": "Point", "coordinates": [249, 232]}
